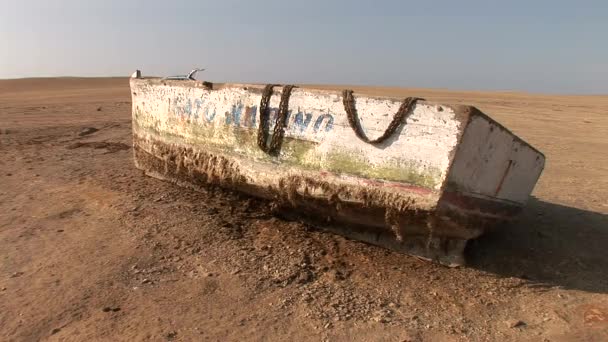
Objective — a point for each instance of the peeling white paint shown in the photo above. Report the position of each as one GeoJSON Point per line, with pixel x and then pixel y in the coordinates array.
{"type": "Point", "coordinates": [424, 142]}
{"type": "Point", "coordinates": [492, 162]}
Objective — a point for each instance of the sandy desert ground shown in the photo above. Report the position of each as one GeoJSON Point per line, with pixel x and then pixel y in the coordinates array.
{"type": "Point", "coordinates": [93, 250]}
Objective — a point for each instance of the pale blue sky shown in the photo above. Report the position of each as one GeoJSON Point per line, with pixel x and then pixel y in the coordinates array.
{"type": "Point", "coordinates": [540, 46]}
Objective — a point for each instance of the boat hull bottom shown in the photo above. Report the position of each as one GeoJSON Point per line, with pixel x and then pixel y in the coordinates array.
{"type": "Point", "coordinates": [427, 234]}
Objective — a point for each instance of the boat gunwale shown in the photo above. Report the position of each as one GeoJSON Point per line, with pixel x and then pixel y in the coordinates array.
{"type": "Point", "coordinates": [463, 113]}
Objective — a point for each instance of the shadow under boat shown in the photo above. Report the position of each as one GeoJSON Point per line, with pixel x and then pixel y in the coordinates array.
{"type": "Point", "coordinates": [549, 243]}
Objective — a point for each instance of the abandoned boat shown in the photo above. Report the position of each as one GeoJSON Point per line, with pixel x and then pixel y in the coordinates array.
{"type": "Point", "coordinates": [406, 174]}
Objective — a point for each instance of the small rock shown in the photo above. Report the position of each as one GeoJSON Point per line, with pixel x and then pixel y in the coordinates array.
{"type": "Point", "coordinates": [146, 281]}
{"type": "Point", "coordinates": [171, 335]}
{"type": "Point", "coordinates": [99, 109]}
{"type": "Point", "coordinates": [381, 319]}
{"type": "Point", "coordinates": [305, 277]}
{"type": "Point", "coordinates": [209, 274]}
{"type": "Point", "coordinates": [16, 274]}
{"type": "Point", "coordinates": [87, 130]}
{"type": "Point", "coordinates": [327, 325]}
{"type": "Point", "coordinates": [237, 271]}
{"type": "Point", "coordinates": [9, 174]}
{"type": "Point", "coordinates": [59, 230]}
{"type": "Point", "coordinates": [54, 331]}
{"type": "Point", "coordinates": [3, 289]}
{"type": "Point", "coordinates": [106, 309]}
{"type": "Point", "coordinates": [514, 323]}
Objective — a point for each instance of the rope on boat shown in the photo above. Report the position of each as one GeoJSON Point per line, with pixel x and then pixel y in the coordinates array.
{"type": "Point", "coordinates": [353, 119]}
{"type": "Point", "coordinates": [349, 106]}
{"type": "Point", "coordinates": [280, 123]}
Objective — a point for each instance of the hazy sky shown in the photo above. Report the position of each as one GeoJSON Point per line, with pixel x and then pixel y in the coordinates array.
{"type": "Point", "coordinates": [534, 45]}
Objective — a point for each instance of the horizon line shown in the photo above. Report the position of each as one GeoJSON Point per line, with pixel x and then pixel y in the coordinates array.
{"type": "Point", "coordinates": [444, 89]}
